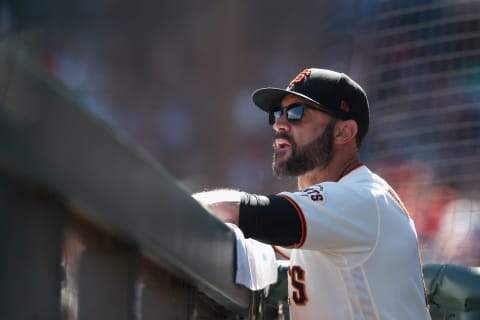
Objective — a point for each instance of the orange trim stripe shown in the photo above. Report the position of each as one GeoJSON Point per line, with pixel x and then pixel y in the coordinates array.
{"type": "Point", "coordinates": [302, 220]}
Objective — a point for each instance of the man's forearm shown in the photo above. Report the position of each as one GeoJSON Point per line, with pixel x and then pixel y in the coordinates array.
{"type": "Point", "coordinates": [257, 214]}
{"type": "Point", "coordinates": [223, 203]}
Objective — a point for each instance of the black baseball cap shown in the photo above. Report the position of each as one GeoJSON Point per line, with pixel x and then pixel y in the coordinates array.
{"type": "Point", "coordinates": [336, 92]}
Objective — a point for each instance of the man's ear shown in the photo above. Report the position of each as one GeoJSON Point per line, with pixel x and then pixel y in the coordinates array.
{"type": "Point", "coordinates": [345, 131]}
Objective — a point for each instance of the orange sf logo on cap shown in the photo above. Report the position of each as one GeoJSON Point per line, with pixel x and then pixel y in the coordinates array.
{"type": "Point", "coordinates": [300, 77]}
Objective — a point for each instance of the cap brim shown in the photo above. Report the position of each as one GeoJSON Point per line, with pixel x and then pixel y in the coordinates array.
{"type": "Point", "coordinates": [269, 98]}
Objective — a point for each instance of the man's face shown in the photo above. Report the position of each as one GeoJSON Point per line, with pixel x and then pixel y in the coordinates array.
{"type": "Point", "coordinates": [303, 146]}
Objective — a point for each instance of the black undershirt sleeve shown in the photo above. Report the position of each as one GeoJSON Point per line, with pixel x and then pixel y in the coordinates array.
{"type": "Point", "coordinates": [270, 219]}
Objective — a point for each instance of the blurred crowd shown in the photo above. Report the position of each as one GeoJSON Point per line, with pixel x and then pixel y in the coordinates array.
{"type": "Point", "coordinates": [447, 221]}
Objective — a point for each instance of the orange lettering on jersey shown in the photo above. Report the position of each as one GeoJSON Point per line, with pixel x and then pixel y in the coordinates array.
{"type": "Point", "coordinates": [297, 280]}
{"type": "Point", "coordinates": [300, 77]}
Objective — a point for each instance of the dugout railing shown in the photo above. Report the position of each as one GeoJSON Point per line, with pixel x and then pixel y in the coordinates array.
{"type": "Point", "coordinates": [91, 226]}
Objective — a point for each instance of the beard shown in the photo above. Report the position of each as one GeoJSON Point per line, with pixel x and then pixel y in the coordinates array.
{"type": "Point", "coordinates": [314, 155]}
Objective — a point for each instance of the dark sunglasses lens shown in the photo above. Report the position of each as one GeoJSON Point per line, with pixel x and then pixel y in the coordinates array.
{"type": "Point", "coordinates": [274, 115]}
{"type": "Point", "coordinates": [294, 114]}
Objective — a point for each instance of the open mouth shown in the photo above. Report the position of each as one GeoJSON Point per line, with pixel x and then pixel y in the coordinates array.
{"type": "Point", "coordinates": [281, 144]}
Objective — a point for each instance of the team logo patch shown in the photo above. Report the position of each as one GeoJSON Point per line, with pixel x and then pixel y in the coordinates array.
{"type": "Point", "coordinates": [299, 77]}
{"type": "Point", "coordinates": [315, 193]}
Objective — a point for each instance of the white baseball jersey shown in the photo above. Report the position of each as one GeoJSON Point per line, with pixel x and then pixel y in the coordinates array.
{"type": "Point", "coordinates": [359, 257]}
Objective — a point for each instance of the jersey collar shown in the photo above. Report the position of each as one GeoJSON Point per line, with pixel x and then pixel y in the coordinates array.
{"type": "Point", "coordinates": [350, 170]}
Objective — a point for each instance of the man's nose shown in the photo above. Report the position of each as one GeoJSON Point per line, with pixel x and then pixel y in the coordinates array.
{"type": "Point", "coordinates": [281, 123]}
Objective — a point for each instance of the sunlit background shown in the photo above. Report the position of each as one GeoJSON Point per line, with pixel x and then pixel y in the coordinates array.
{"type": "Point", "coordinates": [177, 77]}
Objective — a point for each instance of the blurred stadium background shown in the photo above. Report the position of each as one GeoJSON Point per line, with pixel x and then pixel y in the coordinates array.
{"type": "Point", "coordinates": [177, 78]}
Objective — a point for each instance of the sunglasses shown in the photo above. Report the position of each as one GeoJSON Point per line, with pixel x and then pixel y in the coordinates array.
{"type": "Point", "coordinates": [294, 112]}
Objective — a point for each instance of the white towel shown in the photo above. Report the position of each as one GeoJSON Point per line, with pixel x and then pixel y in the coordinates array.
{"type": "Point", "coordinates": [256, 264]}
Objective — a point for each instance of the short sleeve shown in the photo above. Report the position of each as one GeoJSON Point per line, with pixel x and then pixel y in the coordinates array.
{"type": "Point", "coordinates": [337, 218]}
